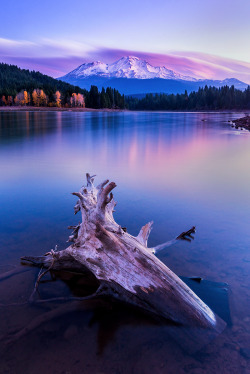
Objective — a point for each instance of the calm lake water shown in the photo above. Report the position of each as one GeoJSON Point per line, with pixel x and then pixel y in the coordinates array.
{"type": "Point", "coordinates": [177, 169]}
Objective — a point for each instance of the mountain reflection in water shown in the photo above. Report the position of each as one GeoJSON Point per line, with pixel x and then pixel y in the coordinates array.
{"type": "Point", "coordinates": [178, 169]}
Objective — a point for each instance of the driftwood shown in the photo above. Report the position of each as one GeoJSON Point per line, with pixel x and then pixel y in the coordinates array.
{"type": "Point", "coordinates": [122, 265]}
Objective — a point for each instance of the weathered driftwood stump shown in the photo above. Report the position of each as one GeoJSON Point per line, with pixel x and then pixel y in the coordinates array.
{"type": "Point", "coordinates": [123, 266]}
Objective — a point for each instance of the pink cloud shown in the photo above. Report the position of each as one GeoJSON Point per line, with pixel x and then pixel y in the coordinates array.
{"type": "Point", "coordinates": [53, 66]}
{"type": "Point", "coordinates": [198, 65]}
{"type": "Point", "coordinates": [58, 58]}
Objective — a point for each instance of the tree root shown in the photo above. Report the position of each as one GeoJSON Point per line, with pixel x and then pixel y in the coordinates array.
{"type": "Point", "coordinates": [51, 299]}
{"type": "Point", "coordinates": [40, 274]}
{"type": "Point", "coordinates": [12, 338]}
{"type": "Point", "coordinates": [62, 310]}
{"type": "Point", "coordinates": [183, 235]}
{"type": "Point", "coordinates": [186, 235]}
{"type": "Point", "coordinates": [13, 272]}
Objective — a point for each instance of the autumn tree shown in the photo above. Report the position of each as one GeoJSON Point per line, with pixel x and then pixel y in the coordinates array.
{"type": "Point", "coordinates": [43, 99]}
{"type": "Point", "coordinates": [57, 97]}
{"type": "Point", "coordinates": [39, 97]}
{"type": "Point", "coordinates": [19, 99]}
{"type": "Point", "coordinates": [3, 100]}
{"type": "Point", "coordinates": [22, 98]}
{"type": "Point", "coordinates": [26, 97]}
{"type": "Point", "coordinates": [80, 100]}
{"type": "Point", "coordinates": [73, 100]}
{"type": "Point", "coordinates": [35, 98]}
{"type": "Point", "coordinates": [77, 100]}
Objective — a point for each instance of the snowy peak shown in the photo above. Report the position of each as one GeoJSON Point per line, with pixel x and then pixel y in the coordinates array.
{"type": "Point", "coordinates": [131, 75]}
{"type": "Point", "coordinates": [92, 68]}
{"type": "Point", "coordinates": [126, 67]}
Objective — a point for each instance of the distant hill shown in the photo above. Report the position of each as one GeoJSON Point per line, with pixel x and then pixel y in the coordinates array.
{"type": "Point", "coordinates": [207, 98]}
{"type": "Point", "coordinates": [132, 76]}
{"type": "Point", "coordinates": [133, 86]}
{"type": "Point", "coordinates": [14, 79]}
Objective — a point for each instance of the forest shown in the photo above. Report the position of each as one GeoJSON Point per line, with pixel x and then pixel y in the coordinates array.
{"type": "Point", "coordinates": [30, 88]}
{"type": "Point", "coordinates": [207, 98]}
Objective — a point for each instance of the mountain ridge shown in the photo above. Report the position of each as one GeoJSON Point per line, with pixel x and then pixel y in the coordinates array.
{"type": "Point", "coordinates": [126, 67]}
{"type": "Point", "coordinates": [132, 75]}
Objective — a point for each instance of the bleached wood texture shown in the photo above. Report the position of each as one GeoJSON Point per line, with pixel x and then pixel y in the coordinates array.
{"type": "Point", "coordinates": [124, 267]}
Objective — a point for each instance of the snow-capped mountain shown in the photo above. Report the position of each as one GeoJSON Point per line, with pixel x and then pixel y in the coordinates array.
{"type": "Point", "coordinates": [132, 75]}
{"type": "Point", "coordinates": [125, 67]}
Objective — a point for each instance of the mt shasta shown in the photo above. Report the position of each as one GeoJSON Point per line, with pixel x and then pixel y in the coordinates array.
{"type": "Point", "coordinates": [132, 75]}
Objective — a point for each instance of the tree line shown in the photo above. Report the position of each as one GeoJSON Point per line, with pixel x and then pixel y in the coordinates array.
{"type": "Point", "coordinates": [39, 98]}
{"type": "Point", "coordinates": [207, 98]}
{"type": "Point", "coordinates": [29, 88]}
{"type": "Point", "coordinates": [23, 87]}
{"type": "Point", "coordinates": [109, 98]}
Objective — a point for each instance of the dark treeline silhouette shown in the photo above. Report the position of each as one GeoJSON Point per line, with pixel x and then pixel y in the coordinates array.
{"type": "Point", "coordinates": [109, 98]}
{"type": "Point", "coordinates": [14, 80]}
{"type": "Point", "coordinates": [30, 88]}
{"type": "Point", "coordinates": [207, 98]}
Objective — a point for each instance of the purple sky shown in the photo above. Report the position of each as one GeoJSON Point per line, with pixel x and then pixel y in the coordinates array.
{"type": "Point", "coordinates": [202, 39]}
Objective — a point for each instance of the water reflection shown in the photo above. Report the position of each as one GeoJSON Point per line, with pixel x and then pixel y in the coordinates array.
{"type": "Point", "coordinates": [173, 168]}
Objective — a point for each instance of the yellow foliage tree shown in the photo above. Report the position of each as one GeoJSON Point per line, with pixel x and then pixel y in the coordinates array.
{"type": "Point", "coordinates": [22, 98]}
{"type": "Point", "coordinates": [77, 100]}
{"type": "Point", "coordinates": [35, 98]}
{"type": "Point", "coordinates": [26, 97]}
{"type": "Point", "coordinates": [39, 98]}
{"type": "Point", "coordinates": [58, 98]}
{"type": "Point", "coordinates": [43, 98]}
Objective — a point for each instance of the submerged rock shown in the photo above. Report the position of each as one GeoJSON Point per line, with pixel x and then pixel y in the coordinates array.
{"type": "Point", "coordinates": [243, 122]}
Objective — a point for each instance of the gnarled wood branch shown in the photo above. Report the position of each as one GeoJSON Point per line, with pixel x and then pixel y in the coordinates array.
{"type": "Point", "coordinates": [124, 265]}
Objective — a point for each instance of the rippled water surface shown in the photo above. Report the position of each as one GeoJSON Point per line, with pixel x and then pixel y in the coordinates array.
{"type": "Point", "coordinates": [178, 169]}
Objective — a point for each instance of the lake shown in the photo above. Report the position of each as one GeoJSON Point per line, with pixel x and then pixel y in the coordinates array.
{"type": "Point", "coordinates": [177, 169]}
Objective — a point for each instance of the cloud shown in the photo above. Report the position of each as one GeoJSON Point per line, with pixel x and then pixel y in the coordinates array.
{"type": "Point", "coordinates": [53, 66]}
{"type": "Point", "coordinates": [48, 56]}
{"type": "Point", "coordinates": [8, 44]}
{"type": "Point", "coordinates": [58, 57]}
{"type": "Point", "coordinates": [198, 65]}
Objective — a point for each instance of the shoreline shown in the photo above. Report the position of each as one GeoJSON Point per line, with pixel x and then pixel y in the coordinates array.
{"type": "Point", "coordinates": [54, 109]}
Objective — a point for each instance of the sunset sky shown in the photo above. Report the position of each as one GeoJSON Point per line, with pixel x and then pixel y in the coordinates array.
{"type": "Point", "coordinates": [206, 39]}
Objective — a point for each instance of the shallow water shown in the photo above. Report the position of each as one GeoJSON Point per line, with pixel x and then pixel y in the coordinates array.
{"type": "Point", "coordinates": [178, 169]}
